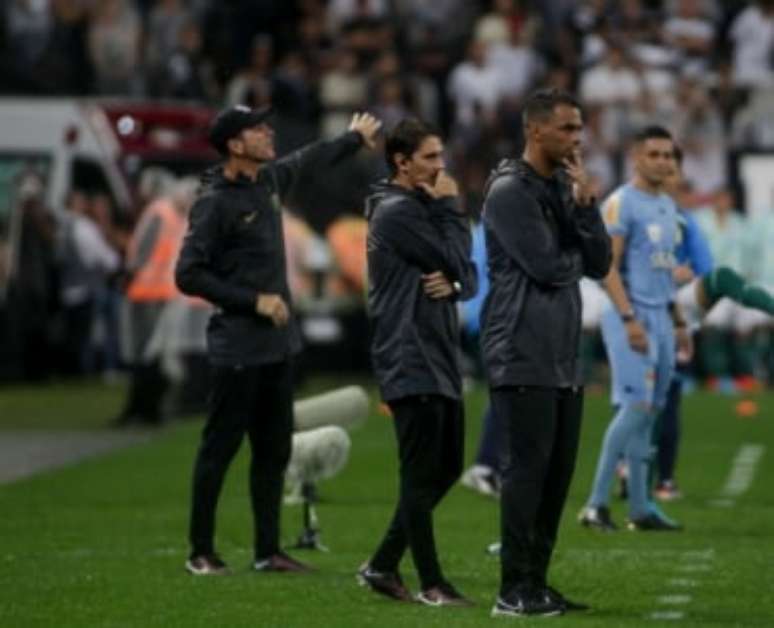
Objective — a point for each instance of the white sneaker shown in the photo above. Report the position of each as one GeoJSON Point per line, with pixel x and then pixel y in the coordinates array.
{"type": "Point", "coordinates": [482, 479]}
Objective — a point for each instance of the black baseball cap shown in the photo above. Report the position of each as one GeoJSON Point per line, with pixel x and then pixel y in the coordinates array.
{"type": "Point", "coordinates": [232, 121]}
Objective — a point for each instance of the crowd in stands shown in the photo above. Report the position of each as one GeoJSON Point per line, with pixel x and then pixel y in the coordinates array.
{"type": "Point", "coordinates": [704, 68]}
{"type": "Point", "coordinates": [703, 65]}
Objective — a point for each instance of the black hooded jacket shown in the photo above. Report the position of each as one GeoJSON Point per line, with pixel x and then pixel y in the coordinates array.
{"type": "Point", "coordinates": [234, 250]}
{"type": "Point", "coordinates": [415, 339]}
{"type": "Point", "coordinates": [539, 245]}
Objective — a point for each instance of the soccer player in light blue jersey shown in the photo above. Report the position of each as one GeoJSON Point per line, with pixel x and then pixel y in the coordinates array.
{"type": "Point", "coordinates": [639, 328]}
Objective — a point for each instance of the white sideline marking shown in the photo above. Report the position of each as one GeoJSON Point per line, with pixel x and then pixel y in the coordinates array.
{"type": "Point", "coordinates": [707, 554]}
{"type": "Point", "coordinates": [700, 561]}
{"type": "Point", "coordinates": [741, 476]}
{"type": "Point", "coordinates": [743, 470]}
{"type": "Point", "coordinates": [694, 568]}
{"type": "Point", "coordinates": [674, 599]}
{"type": "Point", "coordinates": [683, 582]}
{"type": "Point", "coordinates": [667, 615]}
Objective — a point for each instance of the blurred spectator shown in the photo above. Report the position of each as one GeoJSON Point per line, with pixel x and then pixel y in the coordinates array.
{"type": "Point", "coordinates": [31, 287]}
{"type": "Point", "coordinates": [185, 75]}
{"type": "Point", "coordinates": [508, 21]}
{"type": "Point", "coordinates": [27, 29]}
{"type": "Point", "coordinates": [752, 127]}
{"type": "Point", "coordinates": [634, 22]}
{"type": "Point", "coordinates": [314, 45]}
{"type": "Point", "coordinates": [151, 258]}
{"type": "Point", "coordinates": [177, 344]}
{"type": "Point", "coordinates": [292, 89]}
{"type": "Point", "coordinates": [726, 232]}
{"type": "Point", "coordinates": [367, 38]}
{"type": "Point", "coordinates": [582, 41]}
{"type": "Point", "coordinates": [343, 12]}
{"type": "Point", "coordinates": [251, 86]}
{"type": "Point", "coordinates": [611, 83]}
{"type": "Point", "coordinates": [759, 263]}
{"type": "Point", "coordinates": [162, 35]}
{"type": "Point", "coordinates": [699, 125]}
{"type": "Point", "coordinates": [474, 88]}
{"type": "Point", "coordinates": [598, 150]}
{"type": "Point", "coordinates": [343, 90]}
{"type": "Point", "coordinates": [518, 64]}
{"type": "Point", "coordinates": [690, 31]}
{"type": "Point", "coordinates": [389, 104]}
{"type": "Point", "coordinates": [65, 67]}
{"type": "Point", "coordinates": [447, 20]}
{"type": "Point", "coordinates": [85, 261]}
{"type": "Point", "coordinates": [650, 108]}
{"type": "Point", "coordinates": [153, 182]}
{"type": "Point", "coordinates": [752, 35]}
{"type": "Point", "coordinates": [419, 92]}
{"type": "Point", "coordinates": [114, 44]}
{"type": "Point", "coordinates": [107, 295]}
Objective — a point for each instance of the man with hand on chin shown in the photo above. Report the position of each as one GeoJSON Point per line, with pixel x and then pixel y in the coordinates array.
{"type": "Point", "coordinates": [419, 265]}
{"type": "Point", "coordinates": [234, 257]}
{"type": "Point", "coordinates": [543, 233]}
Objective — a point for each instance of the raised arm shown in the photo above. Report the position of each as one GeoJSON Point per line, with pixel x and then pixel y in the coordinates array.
{"type": "Point", "coordinates": [362, 131]}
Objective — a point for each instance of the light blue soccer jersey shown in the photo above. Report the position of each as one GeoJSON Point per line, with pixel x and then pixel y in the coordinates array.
{"type": "Point", "coordinates": [649, 224]}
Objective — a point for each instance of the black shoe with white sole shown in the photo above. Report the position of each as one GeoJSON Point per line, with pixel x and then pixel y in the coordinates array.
{"type": "Point", "coordinates": [443, 594]}
{"type": "Point", "coordinates": [387, 583]}
{"type": "Point", "coordinates": [206, 565]}
{"type": "Point", "coordinates": [527, 601]}
{"type": "Point", "coordinates": [653, 523]}
{"type": "Point", "coordinates": [597, 517]}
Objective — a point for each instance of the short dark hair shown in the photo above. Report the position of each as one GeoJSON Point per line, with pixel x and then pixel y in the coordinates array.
{"type": "Point", "coordinates": [652, 132]}
{"type": "Point", "coordinates": [540, 104]}
{"type": "Point", "coordinates": [406, 138]}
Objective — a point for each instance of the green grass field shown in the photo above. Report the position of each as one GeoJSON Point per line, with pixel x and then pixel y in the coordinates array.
{"type": "Point", "coordinates": [102, 543]}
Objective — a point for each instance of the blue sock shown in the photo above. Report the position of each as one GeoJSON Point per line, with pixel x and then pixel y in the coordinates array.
{"type": "Point", "coordinates": [639, 453]}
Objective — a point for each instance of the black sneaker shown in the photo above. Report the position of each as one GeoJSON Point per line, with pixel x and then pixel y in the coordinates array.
{"type": "Point", "coordinates": [526, 601]}
{"type": "Point", "coordinates": [443, 594]}
{"type": "Point", "coordinates": [597, 517]}
{"type": "Point", "coordinates": [653, 523]}
{"type": "Point", "coordinates": [388, 583]}
{"type": "Point", "coordinates": [206, 565]}
{"type": "Point", "coordinates": [555, 596]}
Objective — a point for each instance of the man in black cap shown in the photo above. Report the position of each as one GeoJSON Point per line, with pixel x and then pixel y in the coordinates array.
{"type": "Point", "coordinates": [234, 257]}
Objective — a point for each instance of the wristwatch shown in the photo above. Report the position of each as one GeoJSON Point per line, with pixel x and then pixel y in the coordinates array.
{"type": "Point", "coordinates": [627, 317]}
{"type": "Point", "coordinates": [457, 287]}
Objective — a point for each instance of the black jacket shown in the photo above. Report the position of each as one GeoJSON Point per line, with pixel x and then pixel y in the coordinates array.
{"type": "Point", "coordinates": [234, 249]}
{"type": "Point", "coordinates": [415, 339]}
{"type": "Point", "coordinates": [539, 245]}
